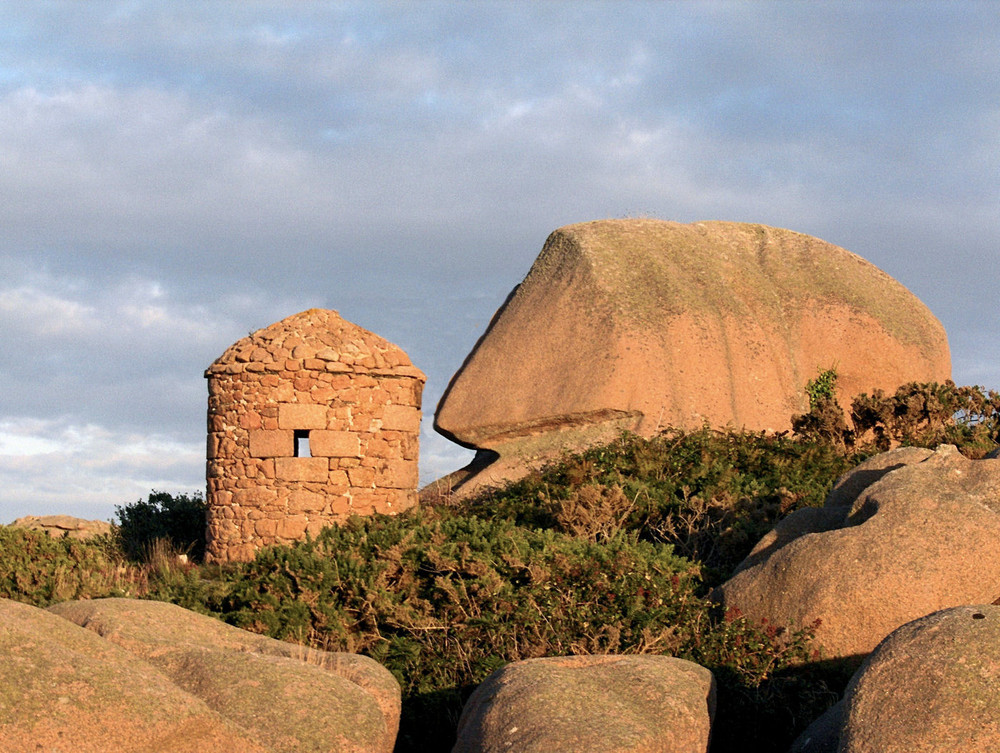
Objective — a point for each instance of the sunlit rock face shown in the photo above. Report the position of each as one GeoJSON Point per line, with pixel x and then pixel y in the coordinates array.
{"type": "Point", "coordinates": [647, 324]}
{"type": "Point", "coordinates": [904, 534]}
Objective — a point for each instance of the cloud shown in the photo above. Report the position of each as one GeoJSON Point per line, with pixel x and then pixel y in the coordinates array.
{"type": "Point", "coordinates": [134, 172]}
{"type": "Point", "coordinates": [78, 469]}
{"type": "Point", "coordinates": [178, 175]}
{"type": "Point", "coordinates": [38, 313]}
{"type": "Point", "coordinates": [117, 352]}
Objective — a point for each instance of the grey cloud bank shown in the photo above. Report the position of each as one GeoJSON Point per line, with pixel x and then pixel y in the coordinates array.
{"type": "Point", "coordinates": [175, 175]}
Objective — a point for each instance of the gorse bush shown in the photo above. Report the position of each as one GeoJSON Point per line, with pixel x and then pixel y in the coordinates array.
{"type": "Point", "coordinates": [38, 569]}
{"type": "Point", "coordinates": [710, 494]}
{"type": "Point", "coordinates": [823, 388]}
{"type": "Point", "coordinates": [917, 414]}
{"type": "Point", "coordinates": [929, 414]}
{"type": "Point", "coordinates": [825, 420]}
{"type": "Point", "coordinates": [444, 599]}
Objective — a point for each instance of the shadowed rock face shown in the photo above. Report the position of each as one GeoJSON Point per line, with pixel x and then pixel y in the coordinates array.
{"type": "Point", "coordinates": [921, 535]}
{"type": "Point", "coordinates": [647, 324]}
{"type": "Point", "coordinates": [611, 704]}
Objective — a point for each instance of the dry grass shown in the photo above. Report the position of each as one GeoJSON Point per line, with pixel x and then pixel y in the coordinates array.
{"type": "Point", "coordinates": [595, 513]}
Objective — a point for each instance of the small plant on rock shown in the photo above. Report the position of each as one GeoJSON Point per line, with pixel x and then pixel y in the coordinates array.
{"type": "Point", "coordinates": [825, 420]}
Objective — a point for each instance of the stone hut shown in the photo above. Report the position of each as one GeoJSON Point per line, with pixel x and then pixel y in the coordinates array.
{"type": "Point", "coordinates": [310, 420]}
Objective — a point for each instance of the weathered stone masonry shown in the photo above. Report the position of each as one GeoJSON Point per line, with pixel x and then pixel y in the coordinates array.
{"type": "Point", "coordinates": [310, 420]}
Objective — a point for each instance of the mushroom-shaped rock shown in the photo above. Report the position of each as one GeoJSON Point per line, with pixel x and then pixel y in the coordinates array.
{"type": "Point", "coordinates": [591, 704]}
{"type": "Point", "coordinates": [932, 686]}
{"type": "Point", "coordinates": [645, 324]}
{"type": "Point", "coordinates": [923, 536]}
{"type": "Point", "coordinates": [285, 697]}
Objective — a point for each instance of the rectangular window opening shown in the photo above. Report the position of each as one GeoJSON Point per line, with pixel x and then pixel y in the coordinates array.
{"type": "Point", "coordinates": [302, 443]}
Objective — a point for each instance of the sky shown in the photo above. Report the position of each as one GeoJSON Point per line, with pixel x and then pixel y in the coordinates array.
{"type": "Point", "coordinates": [175, 175]}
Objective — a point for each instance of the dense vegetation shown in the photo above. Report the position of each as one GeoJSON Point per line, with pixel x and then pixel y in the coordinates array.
{"type": "Point", "coordinates": [612, 550]}
{"type": "Point", "coordinates": [174, 520]}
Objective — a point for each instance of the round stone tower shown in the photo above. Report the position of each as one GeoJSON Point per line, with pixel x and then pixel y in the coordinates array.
{"type": "Point", "coordinates": [310, 420]}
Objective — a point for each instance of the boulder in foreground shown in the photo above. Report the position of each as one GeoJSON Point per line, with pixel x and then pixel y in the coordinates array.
{"type": "Point", "coordinates": [287, 697]}
{"type": "Point", "coordinates": [66, 689]}
{"type": "Point", "coordinates": [905, 534]}
{"type": "Point", "coordinates": [591, 704]}
{"type": "Point", "coordinates": [930, 686]}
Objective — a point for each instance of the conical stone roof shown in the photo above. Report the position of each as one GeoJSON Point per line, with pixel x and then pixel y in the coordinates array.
{"type": "Point", "coordinates": [319, 339]}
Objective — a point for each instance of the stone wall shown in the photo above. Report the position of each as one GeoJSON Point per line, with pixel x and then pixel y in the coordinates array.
{"type": "Point", "coordinates": [313, 377]}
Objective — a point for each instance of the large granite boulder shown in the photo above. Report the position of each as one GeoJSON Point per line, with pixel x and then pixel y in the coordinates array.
{"type": "Point", "coordinates": [67, 689]}
{"type": "Point", "coordinates": [907, 533]}
{"type": "Point", "coordinates": [932, 686]}
{"type": "Point", "coordinates": [591, 704]}
{"type": "Point", "coordinates": [644, 324]}
{"type": "Point", "coordinates": [286, 697]}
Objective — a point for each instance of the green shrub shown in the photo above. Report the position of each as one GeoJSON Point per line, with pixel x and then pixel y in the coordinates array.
{"type": "Point", "coordinates": [929, 414]}
{"type": "Point", "coordinates": [179, 519]}
{"type": "Point", "coordinates": [443, 599]}
{"type": "Point", "coordinates": [38, 569]}
{"type": "Point", "coordinates": [612, 550]}
{"type": "Point", "coordinates": [823, 388]}
{"type": "Point", "coordinates": [919, 414]}
{"type": "Point", "coordinates": [711, 494]}
{"type": "Point", "coordinates": [825, 420]}
{"type": "Point", "coordinates": [41, 570]}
